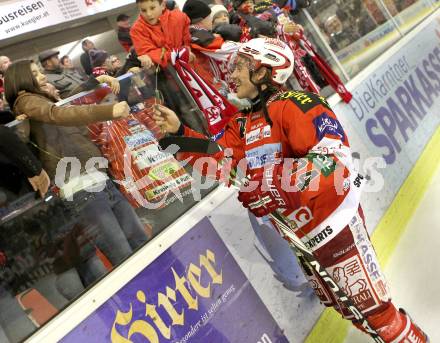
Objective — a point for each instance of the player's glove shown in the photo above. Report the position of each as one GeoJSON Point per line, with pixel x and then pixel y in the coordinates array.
{"type": "Point", "coordinates": [268, 196]}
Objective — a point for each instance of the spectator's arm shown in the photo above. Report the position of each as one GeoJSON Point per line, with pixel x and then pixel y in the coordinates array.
{"type": "Point", "coordinates": [42, 110]}
{"type": "Point", "coordinates": [144, 46]}
{"type": "Point", "coordinates": [93, 82]}
{"type": "Point", "coordinates": [88, 85]}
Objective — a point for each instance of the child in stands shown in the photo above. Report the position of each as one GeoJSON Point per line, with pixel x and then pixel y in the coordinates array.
{"type": "Point", "coordinates": [158, 31]}
{"type": "Point", "coordinates": [219, 15]}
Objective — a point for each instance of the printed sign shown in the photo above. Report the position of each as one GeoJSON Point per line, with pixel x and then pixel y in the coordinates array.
{"type": "Point", "coordinates": [18, 17]}
{"type": "Point", "coordinates": [193, 292]}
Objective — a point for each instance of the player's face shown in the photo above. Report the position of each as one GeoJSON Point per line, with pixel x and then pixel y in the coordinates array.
{"type": "Point", "coordinates": [39, 76]}
{"type": "Point", "coordinates": [151, 11]}
{"type": "Point", "coordinates": [241, 77]}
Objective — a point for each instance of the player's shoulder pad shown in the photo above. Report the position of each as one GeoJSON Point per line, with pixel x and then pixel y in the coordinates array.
{"type": "Point", "coordinates": [304, 100]}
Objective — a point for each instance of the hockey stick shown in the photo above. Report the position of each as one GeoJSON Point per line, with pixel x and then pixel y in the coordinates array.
{"type": "Point", "coordinates": [285, 227]}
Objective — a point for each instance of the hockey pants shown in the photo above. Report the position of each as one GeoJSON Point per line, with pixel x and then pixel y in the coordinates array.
{"type": "Point", "coordinates": [351, 260]}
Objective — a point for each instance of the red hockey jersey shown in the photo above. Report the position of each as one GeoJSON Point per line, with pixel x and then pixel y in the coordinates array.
{"type": "Point", "coordinates": [306, 131]}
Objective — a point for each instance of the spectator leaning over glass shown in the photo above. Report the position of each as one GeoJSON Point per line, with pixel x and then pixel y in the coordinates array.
{"type": "Point", "coordinates": [59, 132]}
{"type": "Point", "coordinates": [115, 65]}
{"type": "Point", "coordinates": [100, 62]}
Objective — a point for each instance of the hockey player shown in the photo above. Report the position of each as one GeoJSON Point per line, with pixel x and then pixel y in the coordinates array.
{"type": "Point", "coordinates": [298, 159]}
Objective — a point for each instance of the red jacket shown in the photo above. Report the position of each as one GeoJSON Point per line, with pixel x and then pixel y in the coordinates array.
{"type": "Point", "coordinates": [305, 129]}
{"type": "Point", "coordinates": [157, 41]}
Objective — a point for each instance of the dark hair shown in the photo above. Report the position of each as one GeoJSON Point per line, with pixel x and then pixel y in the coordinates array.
{"type": "Point", "coordinates": [122, 17]}
{"type": "Point", "coordinates": [141, 1]}
{"type": "Point", "coordinates": [84, 43]}
{"type": "Point", "coordinates": [63, 58]}
{"type": "Point", "coordinates": [130, 62]}
{"type": "Point", "coordinates": [44, 63]}
{"type": "Point", "coordinates": [170, 4]}
{"type": "Point", "coordinates": [19, 77]}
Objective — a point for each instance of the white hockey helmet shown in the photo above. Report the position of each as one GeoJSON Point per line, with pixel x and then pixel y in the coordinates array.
{"type": "Point", "coordinates": [272, 53]}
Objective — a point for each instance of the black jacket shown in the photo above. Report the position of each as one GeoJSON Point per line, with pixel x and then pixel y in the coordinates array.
{"type": "Point", "coordinates": [70, 82]}
{"type": "Point", "coordinates": [86, 63]}
{"type": "Point", "coordinates": [14, 150]}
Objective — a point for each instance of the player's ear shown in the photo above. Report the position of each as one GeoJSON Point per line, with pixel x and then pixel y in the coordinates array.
{"type": "Point", "coordinates": [261, 75]}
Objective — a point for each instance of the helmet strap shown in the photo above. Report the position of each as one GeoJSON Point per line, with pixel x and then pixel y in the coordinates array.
{"type": "Point", "coordinates": [264, 107]}
{"type": "Point", "coordinates": [266, 81]}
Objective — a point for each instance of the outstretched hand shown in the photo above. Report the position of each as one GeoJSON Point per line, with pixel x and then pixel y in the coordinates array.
{"type": "Point", "coordinates": [40, 183]}
{"type": "Point", "coordinates": [112, 82]}
{"type": "Point", "coordinates": [121, 110]}
{"type": "Point", "coordinates": [166, 119]}
{"type": "Point", "coordinates": [146, 61]}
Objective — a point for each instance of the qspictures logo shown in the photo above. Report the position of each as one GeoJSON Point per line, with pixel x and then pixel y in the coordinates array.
{"type": "Point", "coordinates": [21, 16]}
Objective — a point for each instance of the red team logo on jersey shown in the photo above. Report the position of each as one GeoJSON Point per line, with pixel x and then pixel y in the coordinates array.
{"type": "Point", "coordinates": [302, 216]}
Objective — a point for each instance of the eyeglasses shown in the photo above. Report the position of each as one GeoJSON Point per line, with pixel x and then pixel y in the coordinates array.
{"type": "Point", "coordinates": [115, 60]}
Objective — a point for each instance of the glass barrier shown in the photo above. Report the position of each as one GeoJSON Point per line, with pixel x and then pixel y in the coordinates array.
{"type": "Point", "coordinates": [53, 249]}
{"type": "Point", "coordinates": [323, 50]}
{"type": "Point", "coordinates": [357, 31]}
{"type": "Point", "coordinates": [408, 13]}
